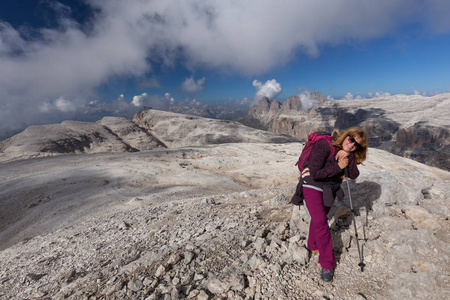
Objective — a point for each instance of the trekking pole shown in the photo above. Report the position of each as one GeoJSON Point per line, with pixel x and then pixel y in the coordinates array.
{"type": "Point", "coordinates": [361, 264]}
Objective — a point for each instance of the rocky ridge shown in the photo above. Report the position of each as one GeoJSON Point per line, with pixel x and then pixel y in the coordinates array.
{"type": "Point", "coordinates": [111, 134]}
{"type": "Point", "coordinates": [178, 130]}
{"type": "Point", "coordinates": [149, 129]}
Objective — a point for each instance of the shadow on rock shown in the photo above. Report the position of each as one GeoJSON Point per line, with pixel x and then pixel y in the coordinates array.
{"type": "Point", "coordinates": [363, 195]}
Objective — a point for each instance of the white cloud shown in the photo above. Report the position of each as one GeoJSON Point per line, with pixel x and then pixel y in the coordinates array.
{"type": "Point", "coordinates": [270, 89]}
{"type": "Point", "coordinates": [348, 96]}
{"type": "Point", "coordinates": [308, 100]}
{"type": "Point", "coordinates": [45, 107]}
{"type": "Point", "coordinates": [146, 100]}
{"type": "Point", "coordinates": [425, 94]}
{"type": "Point", "coordinates": [381, 94]}
{"type": "Point", "coordinates": [64, 105]}
{"type": "Point", "coordinates": [139, 100]}
{"type": "Point", "coordinates": [191, 86]}
{"type": "Point", "coordinates": [169, 98]}
{"type": "Point", "coordinates": [243, 102]}
{"type": "Point", "coordinates": [124, 38]}
{"type": "Point", "coordinates": [59, 105]}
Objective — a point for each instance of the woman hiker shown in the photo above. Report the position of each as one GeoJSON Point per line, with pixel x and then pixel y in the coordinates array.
{"type": "Point", "coordinates": [322, 179]}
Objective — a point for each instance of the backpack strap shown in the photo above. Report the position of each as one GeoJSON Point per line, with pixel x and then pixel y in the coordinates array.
{"type": "Point", "coordinates": [332, 149]}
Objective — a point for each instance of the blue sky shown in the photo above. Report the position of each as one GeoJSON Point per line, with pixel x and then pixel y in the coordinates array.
{"type": "Point", "coordinates": [83, 59]}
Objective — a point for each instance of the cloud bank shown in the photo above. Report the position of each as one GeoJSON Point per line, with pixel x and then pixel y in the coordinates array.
{"type": "Point", "coordinates": [50, 73]}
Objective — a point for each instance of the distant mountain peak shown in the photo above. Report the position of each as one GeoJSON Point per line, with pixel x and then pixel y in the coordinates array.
{"type": "Point", "coordinates": [262, 113]}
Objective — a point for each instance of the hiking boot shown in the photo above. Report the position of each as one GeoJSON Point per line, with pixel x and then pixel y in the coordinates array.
{"type": "Point", "coordinates": [326, 275]}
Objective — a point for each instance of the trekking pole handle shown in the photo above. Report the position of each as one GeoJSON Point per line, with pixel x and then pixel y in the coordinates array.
{"type": "Point", "coordinates": [346, 172]}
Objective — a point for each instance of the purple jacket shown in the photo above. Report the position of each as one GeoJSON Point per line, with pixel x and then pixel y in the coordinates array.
{"type": "Point", "coordinates": [325, 174]}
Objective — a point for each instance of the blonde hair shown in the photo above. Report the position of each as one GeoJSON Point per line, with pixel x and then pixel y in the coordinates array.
{"type": "Point", "coordinates": [360, 154]}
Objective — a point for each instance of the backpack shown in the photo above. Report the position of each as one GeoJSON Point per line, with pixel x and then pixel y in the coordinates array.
{"type": "Point", "coordinates": [312, 139]}
{"type": "Point", "coordinates": [297, 199]}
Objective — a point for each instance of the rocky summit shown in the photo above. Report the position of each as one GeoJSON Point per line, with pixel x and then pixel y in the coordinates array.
{"type": "Point", "coordinates": [213, 221]}
{"type": "Point", "coordinates": [263, 113]}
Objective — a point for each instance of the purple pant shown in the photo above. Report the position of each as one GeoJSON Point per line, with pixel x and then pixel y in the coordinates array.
{"type": "Point", "coordinates": [319, 237]}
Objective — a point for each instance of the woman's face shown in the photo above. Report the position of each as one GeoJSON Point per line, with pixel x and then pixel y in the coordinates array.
{"type": "Point", "coordinates": [351, 144]}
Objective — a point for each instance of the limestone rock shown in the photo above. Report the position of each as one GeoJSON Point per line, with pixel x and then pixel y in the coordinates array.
{"type": "Point", "coordinates": [131, 134]}
{"type": "Point", "coordinates": [217, 286]}
{"type": "Point", "coordinates": [296, 253]}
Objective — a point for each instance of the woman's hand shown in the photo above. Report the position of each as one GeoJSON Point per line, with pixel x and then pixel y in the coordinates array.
{"type": "Point", "coordinates": [342, 158]}
{"type": "Point", "coordinates": [341, 155]}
